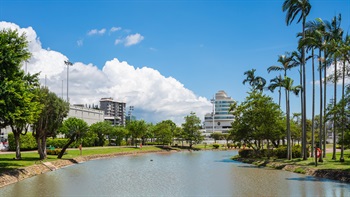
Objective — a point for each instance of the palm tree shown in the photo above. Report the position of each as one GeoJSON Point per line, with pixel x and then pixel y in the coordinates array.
{"type": "Point", "coordinates": [287, 84]}
{"type": "Point", "coordinates": [294, 8]}
{"type": "Point", "coordinates": [276, 80]}
{"type": "Point", "coordinates": [310, 42]}
{"type": "Point", "coordinates": [315, 39]}
{"type": "Point", "coordinates": [297, 60]}
{"type": "Point", "coordinates": [285, 61]}
{"type": "Point", "coordinates": [344, 53]}
{"type": "Point", "coordinates": [335, 34]}
{"type": "Point", "coordinates": [257, 82]}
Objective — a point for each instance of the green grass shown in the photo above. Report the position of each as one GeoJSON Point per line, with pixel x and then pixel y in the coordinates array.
{"type": "Point", "coordinates": [7, 161]}
{"type": "Point", "coordinates": [327, 163]}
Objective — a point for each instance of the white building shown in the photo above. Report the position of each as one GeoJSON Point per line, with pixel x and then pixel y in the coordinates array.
{"type": "Point", "coordinates": [90, 116]}
{"type": "Point", "coordinates": [222, 118]}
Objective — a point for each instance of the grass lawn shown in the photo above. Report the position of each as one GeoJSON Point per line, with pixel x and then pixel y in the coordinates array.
{"type": "Point", "coordinates": [327, 163]}
{"type": "Point", "coordinates": [30, 158]}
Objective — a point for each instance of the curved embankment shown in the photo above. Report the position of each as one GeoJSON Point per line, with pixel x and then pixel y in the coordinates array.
{"type": "Point", "coordinates": [334, 174]}
{"type": "Point", "coordinates": [13, 176]}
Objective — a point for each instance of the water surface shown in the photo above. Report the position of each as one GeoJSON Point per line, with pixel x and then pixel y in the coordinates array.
{"type": "Point", "coordinates": [200, 173]}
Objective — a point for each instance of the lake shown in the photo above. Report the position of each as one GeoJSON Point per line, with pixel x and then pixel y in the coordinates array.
{"type": "Point", "coordinates": [198, 173]}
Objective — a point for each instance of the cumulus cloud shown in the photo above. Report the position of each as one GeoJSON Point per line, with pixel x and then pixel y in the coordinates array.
{"type": "Point", "coordinates": [96, 31]}
{"type": "Point", "coordinates": [133, 39]}
{"type": "Point", "coordinates": [330, 73]}
{"type": "Point", "coordinates": [154, 96]}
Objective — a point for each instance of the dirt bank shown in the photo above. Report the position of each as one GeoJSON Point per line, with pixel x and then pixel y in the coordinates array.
{"type": "Point", "coordinates": [16, 175]}
{"type": "Point", "coordinates": [339, 175]}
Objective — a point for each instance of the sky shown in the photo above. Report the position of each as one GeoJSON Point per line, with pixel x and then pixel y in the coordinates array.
{"type": "Point", "coordinates": [166, 58]}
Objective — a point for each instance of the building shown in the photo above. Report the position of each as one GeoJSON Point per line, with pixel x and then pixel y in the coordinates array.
{"type": "Point", "coordinates": [89, 115]}
{"type": "Point", "coordinates": [219, 120]}
{"type": "Point", "coordinates": [113, 111]}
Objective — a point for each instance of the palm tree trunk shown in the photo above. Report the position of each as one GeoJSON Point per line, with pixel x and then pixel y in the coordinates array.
{"type": "Point", "coordinates": [342, 115]}
{"type": "Point", "coordinates": [334, 157]}
{"type": "Point", "coordinates": [313, 106]}
{"type": "Point", "coordinates": [321, 106]}
{"type": "Point", "coordinates": [304, 95]}
{"type": "Point", "coordinates": [324, 105]}
{"type": "Point", "coordinates": [289, 147]}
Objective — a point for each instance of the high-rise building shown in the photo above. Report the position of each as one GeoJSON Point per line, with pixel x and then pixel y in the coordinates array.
{"type": "Point", "coordinates": [114, 111]}
{"type": "Point", "coordinates": [219, 120]}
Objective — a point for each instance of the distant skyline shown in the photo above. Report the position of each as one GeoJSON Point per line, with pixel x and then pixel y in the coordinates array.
{"type": "Point", "coordinates": [166, 58]}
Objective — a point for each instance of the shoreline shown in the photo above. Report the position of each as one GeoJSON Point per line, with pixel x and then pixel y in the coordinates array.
{"type": "Point", "coordinates": [332, 174]}
{"type": "Point", "coordinates": [16, 175]}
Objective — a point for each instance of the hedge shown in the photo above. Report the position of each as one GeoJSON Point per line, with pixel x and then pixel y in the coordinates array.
{"type": "Point", "coordinates": [27, 142]}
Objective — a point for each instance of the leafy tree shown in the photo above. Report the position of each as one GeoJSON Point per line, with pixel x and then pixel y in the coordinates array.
{"type": "Point", "coordinates": [19, 104]}
{"type": "Point", "coordinates": [256, 119]}
{"type": "Point", "coordinates": [164, 133]}
{"type": "Point", "coordinates": [102, 130]}
{"type": "Point", "coordinates": [74, 129]}
{"type": "Point", "coordinates": [118, 133]}
{"type": "Point", "coordinates": [191, 129]}
{"type": "Point", "coordinates": [137, 129]}
{"type": "Point", "coordinates": [54, 111]}
{"type": "Point", "coordinates": [216, 136]}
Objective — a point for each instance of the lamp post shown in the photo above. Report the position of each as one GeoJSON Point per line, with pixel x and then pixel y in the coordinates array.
{"type": "Point", "coordinates": [68, 63]}
{"type": "Point", "coordinates": [213, 114]}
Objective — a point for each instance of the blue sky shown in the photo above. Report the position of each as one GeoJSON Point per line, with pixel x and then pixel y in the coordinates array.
{"type": "Point", "coordinates": [204, 45]}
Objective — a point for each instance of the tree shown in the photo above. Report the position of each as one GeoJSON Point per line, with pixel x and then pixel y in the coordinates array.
{"type": "Point", "coordinates": [118, 133]}
{"type": "Point", "coordinates": [74, 129]}
{"type": "Point", "coordinates": [256, 82]}
{"type": "Point", "coordinates": [102, 130]}
{"type": "Point", "coordinates": [315, 38]}
{"type": "Point", "coordinates": [344, 52]}
{"type": "Point", "coordinates": [137, 129]}
{"type": "Point", "coordinates": [19, 104]}
{"type": "Point", "coordinates": [216, 136]}
{"type": "Point", "coordinates": [335, 38]}
{"type": "Point", "coordinates": [54, 111]}
{"type": "Point", "coordinates": [293, 9]}
{"type": "Point", "coordinates": [256, 119]}
{"type": "Point", "coordinates": [287, 84]}
{"type": "Point", "coordinates": [286, 65]}
{"type": "Point", "coordinates": [164, 132]}
{"type": "Point", "coordinates": [191, 129]}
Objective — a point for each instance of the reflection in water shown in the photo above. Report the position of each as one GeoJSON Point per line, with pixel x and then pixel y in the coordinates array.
{"type": "Point", "coordinates": [203, 173]}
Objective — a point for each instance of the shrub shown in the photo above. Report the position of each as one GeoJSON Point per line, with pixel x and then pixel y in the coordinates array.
{"type": "Point", "coordinates": [27, 142]}
{"type": "Point", "coordinates": [281, 152]}
{"type": "Point", "coordinates": [55, 151]}
{"type": "Point", "coordinates": [246, 153]}
{"type": "Point", "coordinates": [216, 146]}
{"type": "Point", "coordinates": [57, 142]}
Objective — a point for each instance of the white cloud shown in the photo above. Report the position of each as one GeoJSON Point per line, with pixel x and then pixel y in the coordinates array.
{"type": "Point", "coordinates": [330, 72]}
{"type": "Point", "coordinates": [154, 96]}
{"type": "Point", "coordinates": [133, 39]}
{"type": "Point", "coordinates": [96, 31]}
{"type": "Point", "coordinates": [80, 42]}
{"type": "Point", "coordinates": [113, 29]}
{"type": "Point", "coordinates": [118, 41]}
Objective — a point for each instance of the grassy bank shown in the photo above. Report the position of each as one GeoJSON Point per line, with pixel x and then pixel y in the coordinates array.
{"type": "Point", "coordinates": [30, 158]}
{"type": "Point", "coordinates": [331, 169]}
